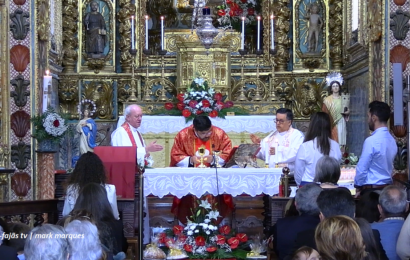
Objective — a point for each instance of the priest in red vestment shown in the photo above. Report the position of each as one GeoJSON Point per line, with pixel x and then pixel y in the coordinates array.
{"type": "Point", "coordinates": [184, 153]}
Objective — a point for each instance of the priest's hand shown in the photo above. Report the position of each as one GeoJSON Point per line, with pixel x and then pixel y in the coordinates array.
{"type": "Point", "coordinates": [197, 159]}
{"type": "Point", "coordinates": [153, 147]}
{"type": "Point", "coordinates": [255, 139]}
{"type": "Point", "coordinates": [272, 151]}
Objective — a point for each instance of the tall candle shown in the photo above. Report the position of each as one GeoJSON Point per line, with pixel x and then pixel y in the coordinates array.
{"type": "Point", "coordinates": [146, 32]}
{"type": "Point", "coordinates": [259, 33]}
{"type": "Point", "coordinates": [132, 33]}
{"type": "Point", "coordinates": [243, 34]}
{"type": "Point", "coordinates": [162, 32]}
{"type": "Point", "coordinates": [47, 81]}
{"type": "Point", "coordinates": [272, 33]}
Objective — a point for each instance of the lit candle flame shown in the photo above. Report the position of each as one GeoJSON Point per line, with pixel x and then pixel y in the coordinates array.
{"type": "Point", "coordinates": [162, 17]}
{"type": "Point", "coordinates": [146, 17]}
{"type": "Point", "coordinates": [243, 18]}
{"type": "Point", "coordinates": [47, 73]}
{"type": "Point", "coordinates": [258, 17]}
{"type": "Point", "coordinates": [272, 16]}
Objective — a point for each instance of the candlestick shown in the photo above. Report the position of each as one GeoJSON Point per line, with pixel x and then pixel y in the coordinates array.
{"type": "Point", "coordinates": [146, 32]}
{"type": "Point", "coordinates": [272, 32]}
{"type": "Point", "coordinates": [47, 80]}
{"type": "Point", "coordinates": [132, 33]}
{"type": "Point", "coordinates": [243, 34]}
{"type": "Point", "coordinates": [162, 32]}
{"type": "Point", "coordinates": [259, 33]}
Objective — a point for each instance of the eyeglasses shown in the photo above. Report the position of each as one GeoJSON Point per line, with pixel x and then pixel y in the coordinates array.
{"type": "Point", "coordinates": [280, 121]}
{"type": "Point", "coordinates": [207, 133]}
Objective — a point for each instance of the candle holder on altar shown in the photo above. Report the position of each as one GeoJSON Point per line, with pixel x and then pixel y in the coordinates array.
{"type": "Point", "coordinates": [242, 52]}
{"type": "Point", "coordinates": [201, 152]}
{"type": "Point", "coordinates": [273, 51]}
{"type": "Point", "coordinates": [133, 90]}
{"type": "Point", "coordinates": [162, 52]}
{"type": "Point", "coordinates": [259, 52]}
{"type": "Point", "coordinates": [146, 51]}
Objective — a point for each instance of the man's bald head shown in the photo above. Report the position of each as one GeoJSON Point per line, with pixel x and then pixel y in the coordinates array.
{"type": "Point", "coordinates": [133, 115]}
{"type": "Point", "coordinates": [393, 201]}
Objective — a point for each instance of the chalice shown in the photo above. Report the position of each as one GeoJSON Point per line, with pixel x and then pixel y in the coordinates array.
{"type": "Point", "coordinates": [201, 152]}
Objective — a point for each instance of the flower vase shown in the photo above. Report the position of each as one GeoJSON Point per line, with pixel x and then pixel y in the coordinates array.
{"type": "Point", "coordinates": [47, 146]}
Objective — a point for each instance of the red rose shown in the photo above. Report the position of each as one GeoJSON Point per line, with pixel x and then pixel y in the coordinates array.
{"type": "Point", "coordinates": [182, 238]}
{"type": "Point", "coordinates": [251, 11]}
{"type": "Point", "coordinates": [198, 112]}
{"type": "Point", "coordinates": [161, 238]}
{"type": "Point", "coordinates": [242, 237]}
{"type": "Point", "coordinates": [56, 123]}
{"type": "Point", "coordinates": [233, 242]}
{"type": "Point", "coordinates": [211, 249]}
{"type": "Point", "coordinates": [181, 106]}
{"type": "Point", "coordinates": [229, 2]}
{"type": "Point", "coordinates": [244, 1]}
{"type": "Point", "coordinates": [225, 230]}
{"type": "Point", "coordinates": [221, 12]}
{"type": "Point", "coordinates": [200, 241]}
{"type": "Point", "coordinates": [178, 229]}
{"type": "Point", "coordinates": [213, 113]}
{"type": "Point", "coordinates": [205, 103]}
{"type": "Point", "coordinates": [146, 162]}
{"type": "Point", "coordinates": [220, 240]}
{"type": "Point", "coordinates": [186, 113]}
{"type": "Point", "coordinates": [169, 106]}
{"type": "Point", "coordinates": [188, 248]}
{"type": "Point", "coordinates": [193, 103]}
{"type": "Point", "coordinates": [347, 161]}
{"type": "Point", "coordinates": [228, 104]}
{"type": "Point", "coordinates": [180, 96]}
{"type": "Point", "coordinates": [218, 96]}
{"type": "Point", "coordinates": [345, 155]}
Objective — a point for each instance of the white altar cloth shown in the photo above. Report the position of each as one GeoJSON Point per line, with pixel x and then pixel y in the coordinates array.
{"type": "Point", "coordinates": [174, 124]}
{"type": "Point", "coordinates": [235, 181]}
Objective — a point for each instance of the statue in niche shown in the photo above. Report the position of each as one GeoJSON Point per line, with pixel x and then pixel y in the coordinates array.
{"type": "Point", "coordinates": [314, 28]}
{"type": "Point", "coordinates": [95, 32]}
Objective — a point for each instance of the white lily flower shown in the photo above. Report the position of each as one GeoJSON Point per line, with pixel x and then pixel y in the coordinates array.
{"type": "Point", "coordinates": [207, 220]}
{"type": "Point", "coordinates": [196, 231]}
{"type": "Point", "coordinates": [214, 214]}
{"type": "Point", "coordinates": [199, 81]}
{"type": "Point", "coordinates": [190, 233]}
{"type": "Point", "coordinates": [204, 203]}
{"type": "Point", "coordinates": [208, 232]}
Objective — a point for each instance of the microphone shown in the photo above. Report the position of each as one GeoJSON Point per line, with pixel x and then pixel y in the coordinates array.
{"type": "Point", "coordinates": [216, 174]}
{"type": "Point", "coordinates": [106, 133]}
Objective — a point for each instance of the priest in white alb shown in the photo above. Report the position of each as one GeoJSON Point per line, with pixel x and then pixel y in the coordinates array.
{"type": "Point", "coordinates": [128, 135]}
{"type": "Point", "coordinates": [281, 146]}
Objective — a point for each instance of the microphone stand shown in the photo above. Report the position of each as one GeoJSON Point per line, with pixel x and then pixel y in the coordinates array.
{"type": "Point", "coordinates": [106, 133]}
{"type": "Point", "coordinates": [216, 163]}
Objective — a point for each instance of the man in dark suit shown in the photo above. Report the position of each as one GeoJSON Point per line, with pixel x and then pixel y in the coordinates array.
{"type": "Point", "coordinates": [285, 230]}
{"type": "Point", "coordinates": [331, 202]}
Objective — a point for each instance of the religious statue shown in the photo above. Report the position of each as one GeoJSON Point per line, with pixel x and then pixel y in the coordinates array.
{"type": "Point", "coordinates": [337, 106]}
{"type": "Point", "coordinates": [314, 28]}
{"type": "Point", "coordinates": [95, 32]}
{"type": "Point", "coordinates": [88, 132]}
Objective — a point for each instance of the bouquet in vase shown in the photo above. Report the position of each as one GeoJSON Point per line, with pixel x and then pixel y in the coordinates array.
{"type": "Point", "coordinates": [202, 239]}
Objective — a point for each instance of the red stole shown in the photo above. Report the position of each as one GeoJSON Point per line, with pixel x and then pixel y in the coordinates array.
{"type": "Point", "coordinates": [127, 129]}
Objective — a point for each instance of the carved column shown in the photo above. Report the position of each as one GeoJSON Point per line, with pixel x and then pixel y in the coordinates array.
{"type": "Point", "coordinates": [282, 27]}
{"type": "Point", "coordinates": [126, 10]}
{"type": "Point", "coordinates": [336, 32]}
{"type": "Point", "coordinates": [70, 41]}
{"type": "Point", "coordinates": [45, 170]}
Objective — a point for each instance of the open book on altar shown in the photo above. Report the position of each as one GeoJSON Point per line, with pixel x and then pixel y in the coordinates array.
{"type": "Point", "coordinates": [243, 155]}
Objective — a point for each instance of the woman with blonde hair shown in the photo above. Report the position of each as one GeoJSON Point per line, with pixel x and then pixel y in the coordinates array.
{"type": "Point", "coordinates": [339, 238]}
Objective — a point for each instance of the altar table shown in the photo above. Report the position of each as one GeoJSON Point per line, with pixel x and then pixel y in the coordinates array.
{"type": "Point", "coordinates": [198, 181]}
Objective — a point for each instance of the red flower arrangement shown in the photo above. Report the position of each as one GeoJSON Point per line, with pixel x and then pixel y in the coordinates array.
{"type": "Point", "coordinates": [230, 14]}
{"type": "Point", "coordinates": [201, 99]}
{"type": "Point", "coordinates": [202, 239]}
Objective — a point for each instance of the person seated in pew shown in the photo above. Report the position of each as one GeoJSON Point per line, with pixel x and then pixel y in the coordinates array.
{"type": "Point", "coordinates": [282, 144]}
{"type": "Point", "coordinates": [184, 153]}
{"type": "Point", "coordinates": [327, 172]}
{"type": "Point", "coordinates": [89, 169]}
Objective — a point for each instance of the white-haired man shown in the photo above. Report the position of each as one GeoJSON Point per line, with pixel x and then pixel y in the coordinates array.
{"type": "Point", "coordinates": [128, 135]}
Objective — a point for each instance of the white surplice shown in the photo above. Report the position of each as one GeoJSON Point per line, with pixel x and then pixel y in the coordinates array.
{"type": "Point", "coordinates": [120, 138]}
{"type": "Point", "coordinates": [286, 146]}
